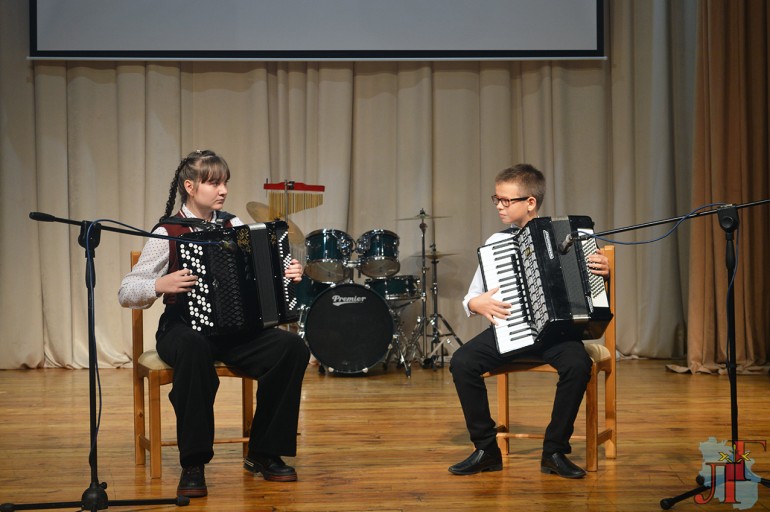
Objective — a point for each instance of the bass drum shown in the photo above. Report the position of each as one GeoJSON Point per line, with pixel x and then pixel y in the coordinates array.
{"type": "Point", "coordinates": [349, 328]}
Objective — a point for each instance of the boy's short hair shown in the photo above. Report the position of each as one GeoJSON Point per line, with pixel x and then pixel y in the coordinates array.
{"type": "Point", "coordinates": [530, 181]}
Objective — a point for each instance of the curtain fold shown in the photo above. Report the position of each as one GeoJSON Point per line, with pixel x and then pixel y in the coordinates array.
{"type": "Point", "coordinates": [731, 166]}
{"type": "Point", "coordinates": [92, 140]}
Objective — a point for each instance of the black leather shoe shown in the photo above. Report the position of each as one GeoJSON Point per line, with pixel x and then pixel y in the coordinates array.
{"type": "Point", "coordinates": [559, 464]}
{"type": "Point", "coordinates": [271, 467]}
{"type": "Point", "coordinates": [192, 483]}
{"type": "Point", "coordinates": [480, 460]}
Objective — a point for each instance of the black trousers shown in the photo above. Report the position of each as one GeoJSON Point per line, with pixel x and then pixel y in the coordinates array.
{"type": "Point", "coordinates": [480, 355]}
{"type": "Point", "coordinates": [276, 358]}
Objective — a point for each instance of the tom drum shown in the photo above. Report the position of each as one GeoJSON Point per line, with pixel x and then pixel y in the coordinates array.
{"type": "Point", "coordinates": [396, 287]}
{"type": "Point", "coordinates": [328, 252]}
{"type": "Point", "coordinates": [378, 253]}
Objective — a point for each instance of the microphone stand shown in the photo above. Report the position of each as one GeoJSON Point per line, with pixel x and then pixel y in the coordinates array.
{"type": "Point", "coordinates": [680, 218]}
{"type": "Point", "coordinates": [94, 498]}
{"type": "Point", "coordinates": [728, 221]}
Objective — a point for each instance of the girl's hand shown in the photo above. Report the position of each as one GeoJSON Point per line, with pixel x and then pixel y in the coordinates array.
{"type": "Point", "coordinates": [181, 281]}
{"type": "Point", "coordinates": [294, 271]}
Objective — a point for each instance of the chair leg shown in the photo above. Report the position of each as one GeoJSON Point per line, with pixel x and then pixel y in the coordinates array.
{"type": "Point", "coordinates": [247, 399]}
{"type": "Point", "coordinates": [155, 431]}
{"type": "Point", "coordinates": [503, 418]}
{"type": "Point", "coordinates": [140, 457]}
{"type": "Point", "coordinates": [610, 415]}
{"type": "Point", "coordinates": [592, 422]}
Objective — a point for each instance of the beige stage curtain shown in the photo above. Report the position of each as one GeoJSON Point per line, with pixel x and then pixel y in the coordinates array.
{"type": "Point", "coordinates": [100, 140]}
{"type": "Point", "coordinates": [731, 156]}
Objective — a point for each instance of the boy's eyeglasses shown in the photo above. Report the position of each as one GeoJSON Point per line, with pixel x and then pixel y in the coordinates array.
{"type": "Point", "coordinates": [507, 202]}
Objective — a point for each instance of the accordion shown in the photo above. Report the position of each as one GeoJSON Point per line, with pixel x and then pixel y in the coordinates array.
{"type": "Point", "coordinates": [553, 294]}
{"type": "Point", "coordinates": [241, 287]}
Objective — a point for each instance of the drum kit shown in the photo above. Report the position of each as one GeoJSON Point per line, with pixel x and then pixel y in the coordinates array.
{"type": "Point", "coordinates": [350, 327]}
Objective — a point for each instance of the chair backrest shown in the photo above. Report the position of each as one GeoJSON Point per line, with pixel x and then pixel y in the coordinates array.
{"type": "Point", "coordinates": [137, 322]}
{"type": "Point", "coordinates": [610, 332]}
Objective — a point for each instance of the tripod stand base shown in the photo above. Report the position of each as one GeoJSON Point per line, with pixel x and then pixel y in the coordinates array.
{"type": "Point", "coordinates": [450, 339]}
{"type": "Point", "coordinates": [668, 503]}
{"type": "Point", "coordinates": [95, 498]}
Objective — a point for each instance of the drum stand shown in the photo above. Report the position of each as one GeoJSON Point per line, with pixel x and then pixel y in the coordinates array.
{"type": "Point", "coordinates": [451, 341]}
{"type": "Point", "coordinates": [398, 350]}
{"type": "Point", "coordinates": [413, 350]}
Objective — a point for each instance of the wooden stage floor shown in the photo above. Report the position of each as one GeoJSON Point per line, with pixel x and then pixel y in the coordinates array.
{"type": "Point", "coordinates": [383, 442]}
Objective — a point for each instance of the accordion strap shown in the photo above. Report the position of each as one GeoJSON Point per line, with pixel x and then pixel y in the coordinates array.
{"type": "Point", "coordinates": [219, 222]}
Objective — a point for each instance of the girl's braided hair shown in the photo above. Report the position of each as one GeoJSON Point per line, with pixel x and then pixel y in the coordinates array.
{"type": "Point", "coordinates": [198, 167]}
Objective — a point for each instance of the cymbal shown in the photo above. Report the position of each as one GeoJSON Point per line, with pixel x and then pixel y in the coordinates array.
{"type": "Point", "coordinates": [434, 255]}
{"type": "Point", "coordinates": [260, 212]}
{"type": "Point", "coordinates": [424, 216]}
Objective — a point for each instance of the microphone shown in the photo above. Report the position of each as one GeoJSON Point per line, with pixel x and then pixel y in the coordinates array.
{"type": "Point", "coordinates": [564, 246]}
{"type": "Point", "coordinates": [41, 217]}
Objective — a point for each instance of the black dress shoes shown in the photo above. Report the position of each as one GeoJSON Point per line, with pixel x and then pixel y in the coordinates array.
{"type": "Point", "coordinates": [480, 460]}
{"type": "Point", "coordinates": [559, 464]}
{"type": "Point", "coordinates": [192, 483]}
{"type": "Point", "coordinates": [271, 466]}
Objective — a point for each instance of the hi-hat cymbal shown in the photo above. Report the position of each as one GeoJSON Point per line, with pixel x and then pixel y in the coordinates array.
{"type": "Point", "coordinates": [260, 212]}
{"type": "Point", "coordinates": [424, 216]}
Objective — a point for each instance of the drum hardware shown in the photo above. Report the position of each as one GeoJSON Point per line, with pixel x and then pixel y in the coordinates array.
{"type": "Point", "coordinates": [436, 255]}
{"type": "Point", "coordinates": [397, 352]}
{"type": "Point", "coordinates": [418, 337]}
{"type": "Point", "coordinates": [352, 267]}
{"type": "Point", "coordinates": [424, 216]}
{"type": "Point", "coordinates": [404, 354]}
{"type": "Point", "coordinates": [413, 350]}
{"type": "Point", "coordinates": [451, 341]}
{"type": "Point", "coordinates": [436, 321]}
{"type": "Point", "coordinates": [400, 292]}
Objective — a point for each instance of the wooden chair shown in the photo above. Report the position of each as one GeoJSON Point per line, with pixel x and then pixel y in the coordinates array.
{"type": "Point", "coordinates": [603, 357]}
{"type": "Point", "coordinates": [148, 365]}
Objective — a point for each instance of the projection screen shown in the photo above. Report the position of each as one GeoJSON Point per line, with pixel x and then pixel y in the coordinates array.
{"type": "Point", "coordinates": [316, 29]}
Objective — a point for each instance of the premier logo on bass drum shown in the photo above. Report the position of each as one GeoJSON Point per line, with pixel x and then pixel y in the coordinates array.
{"type": "Point", "coordinates": [339, 300]}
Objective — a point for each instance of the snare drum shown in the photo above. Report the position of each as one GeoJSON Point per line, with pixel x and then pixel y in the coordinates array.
{"type": "Point", "coordinates": [328, 252]}
{"type": "Point", "coordinates": [349, 328]}
{"type": "Point", "coordinates": [378, 250]}
{"type": "Point", "coordinates": [396, 287]}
